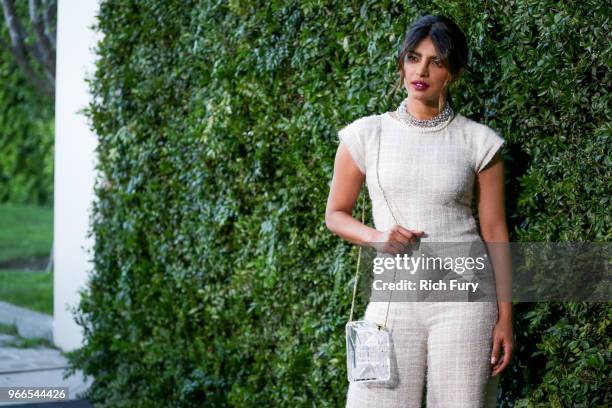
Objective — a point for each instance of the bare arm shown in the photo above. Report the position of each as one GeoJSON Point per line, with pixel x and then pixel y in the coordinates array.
{"type": "Point", "coordinates": [492, 215]}
{"type": "Point", "coordinates": [345, 186]}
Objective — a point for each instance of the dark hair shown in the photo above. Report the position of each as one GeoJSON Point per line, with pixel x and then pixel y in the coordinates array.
{"type": "Point", "coordinates": [448, 39]}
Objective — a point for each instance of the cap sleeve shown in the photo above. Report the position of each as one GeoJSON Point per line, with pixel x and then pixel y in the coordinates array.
{"type": "Point", "coordinates": [352, 137]}
{"type": "Point", "coordinates": [488, 145]}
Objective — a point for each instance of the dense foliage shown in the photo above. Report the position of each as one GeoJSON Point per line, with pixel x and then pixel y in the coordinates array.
{"type": "Point", "coordinates": [216, 282]}
{"type": "Point", "coordinates": [26, 132]}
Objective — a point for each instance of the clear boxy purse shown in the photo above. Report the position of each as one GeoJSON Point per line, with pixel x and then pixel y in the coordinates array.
{"type": "Point", "coordinates": [368, 347]}
{"type": "Point", "coordinates": [368, 344]}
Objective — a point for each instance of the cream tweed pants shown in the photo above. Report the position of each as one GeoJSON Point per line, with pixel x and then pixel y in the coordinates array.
{"type": "Point", "coordinates": [447, 344]}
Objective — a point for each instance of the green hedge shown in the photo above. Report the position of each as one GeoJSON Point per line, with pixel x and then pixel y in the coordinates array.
{"type": "Point", "coordinates": [216, 282]}
{"type": "Point", "coordinates": [26, 133]}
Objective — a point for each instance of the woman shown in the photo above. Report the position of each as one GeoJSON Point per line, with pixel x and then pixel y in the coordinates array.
{"type": "Point", "coordinates": [433, 161]}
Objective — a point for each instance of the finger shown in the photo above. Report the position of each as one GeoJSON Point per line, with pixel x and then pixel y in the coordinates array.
{"type": "Point", "coordinates": [389, 248]}
{"type": "Point", "coordinates": [495, 351]}
{"type": "Point", "coordinates": [400, 238]}
{"type": "Point", "coordinates": [404, 234]}
{"type": "Point", "coordinates": [495, 367]}
{"type": "Point", "coordinates": [502, 365]}
{"type": "Point", "coordinates": [410, 234]}
{"type": "Point", "coordinates": [505, 360]}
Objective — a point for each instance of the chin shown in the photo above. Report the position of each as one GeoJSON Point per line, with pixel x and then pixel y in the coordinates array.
{"type": "Point", "coordinates": [423, 97]}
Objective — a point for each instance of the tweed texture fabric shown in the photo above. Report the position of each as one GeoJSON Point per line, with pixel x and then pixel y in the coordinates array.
{"type": "Point", "coordinates": [428, 176]}
{"type": "Point", "coordinates": [443, 345]}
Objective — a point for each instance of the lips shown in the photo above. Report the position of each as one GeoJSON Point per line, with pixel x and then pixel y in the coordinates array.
{"type": "Point", "coordinates": [419, 85]}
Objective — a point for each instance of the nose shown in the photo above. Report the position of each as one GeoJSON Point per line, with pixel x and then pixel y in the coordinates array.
{"type": "Point", "coordinates": [422, 69]}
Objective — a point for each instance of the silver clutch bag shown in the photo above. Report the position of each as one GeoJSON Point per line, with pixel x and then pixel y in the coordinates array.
{"type": "Point", "coordinates": [368, 352]}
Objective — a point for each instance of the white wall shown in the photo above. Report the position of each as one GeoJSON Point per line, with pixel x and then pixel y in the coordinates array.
{"type": "Point", "coordinates": [74, 164]}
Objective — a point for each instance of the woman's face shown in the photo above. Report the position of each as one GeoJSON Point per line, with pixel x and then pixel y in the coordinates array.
{"type": "Point", "coordinates": [423, 65]}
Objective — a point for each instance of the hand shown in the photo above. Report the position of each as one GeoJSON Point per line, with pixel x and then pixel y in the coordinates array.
{"type": "Point", "coordinates": [503, 337]}
{"type": "Point", "coordinates": [393, 240]}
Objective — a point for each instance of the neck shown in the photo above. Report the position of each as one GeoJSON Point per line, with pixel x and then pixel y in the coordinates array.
{"type": "Point", "coordinates": [422, 111]}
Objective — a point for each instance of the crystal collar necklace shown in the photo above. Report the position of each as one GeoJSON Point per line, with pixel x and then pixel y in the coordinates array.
{"type": "Point", "coordinates": [445, 114]}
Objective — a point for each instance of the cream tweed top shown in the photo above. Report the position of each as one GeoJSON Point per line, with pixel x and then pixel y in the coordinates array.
{"type": "Point", "coordinates": [428, 174]}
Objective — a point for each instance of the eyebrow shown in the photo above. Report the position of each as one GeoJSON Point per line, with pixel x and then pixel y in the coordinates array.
{"type": "Point", "coordinates": [414, 52]}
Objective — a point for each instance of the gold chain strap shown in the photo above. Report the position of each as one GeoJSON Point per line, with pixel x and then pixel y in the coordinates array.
{"type": "Point", "coordinates": [363, 222]}
{"type": "Point", "coordinates": [359, 253]}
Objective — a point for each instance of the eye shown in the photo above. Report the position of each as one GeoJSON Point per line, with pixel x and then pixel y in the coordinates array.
{"type": "Point", "coordinates": [437, 63]}
{"type": "Point", "coordinates": [411, 58]}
